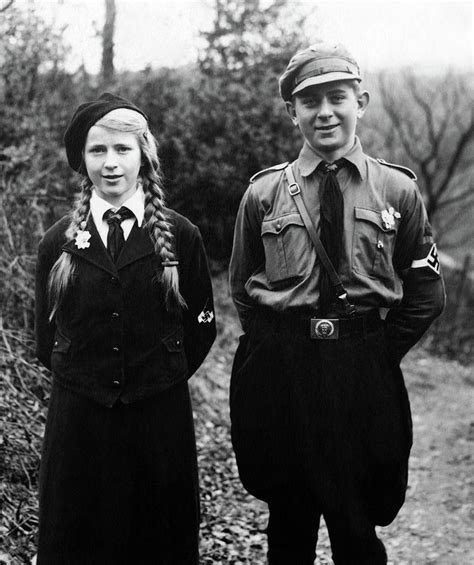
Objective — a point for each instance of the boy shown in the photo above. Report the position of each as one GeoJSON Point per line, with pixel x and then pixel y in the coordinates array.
{"type": "Point", "coordinates": [321, 421]}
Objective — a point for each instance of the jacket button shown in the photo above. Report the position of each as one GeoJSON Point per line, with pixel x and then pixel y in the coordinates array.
{"type": "Point", "coordinates": [178, 342]}
{"type": "Point", "coordinates": [116, 384]}
{"type": "Point", "coordinates": [56, 343]}
{"type": "Point", "coordinates": [115, 316]}
{"type": "Point", "coordinates": [115, 349]}
{"type": "Point", "coordinates": [114, 280]}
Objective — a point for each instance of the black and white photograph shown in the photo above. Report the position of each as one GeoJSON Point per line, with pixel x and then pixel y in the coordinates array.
{"type": "Point", "coordinates": [236, 282]}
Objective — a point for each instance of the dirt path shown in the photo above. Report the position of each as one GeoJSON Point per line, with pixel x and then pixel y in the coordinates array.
{"type": "Point", "coordinates": [435, 526]}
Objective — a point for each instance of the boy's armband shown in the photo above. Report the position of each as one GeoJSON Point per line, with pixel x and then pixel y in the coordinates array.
{"type": "Point", "coordinates": [427, 256]}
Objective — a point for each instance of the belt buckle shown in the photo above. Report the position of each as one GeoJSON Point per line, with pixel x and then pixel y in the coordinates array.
{"type": "Point", "coordinates": [324, 328]}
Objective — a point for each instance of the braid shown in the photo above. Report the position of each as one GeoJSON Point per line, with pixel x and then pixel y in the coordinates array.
{"type": "Point", "coordinates": [81, 209]}
{"type": "Point", "coordinates": [157, 223]}
{"type": "Point", "coordinates": [161, 235]}
{"type": "Point", "coordinates": [63, 270]}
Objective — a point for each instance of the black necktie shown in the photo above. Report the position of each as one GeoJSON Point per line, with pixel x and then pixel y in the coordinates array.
{"type": "Point", "coordinates": [332, 226]}
{"type": "Point", "coordinates": [115, 238]}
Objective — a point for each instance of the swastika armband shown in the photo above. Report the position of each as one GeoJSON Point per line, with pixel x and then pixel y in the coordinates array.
{"type": "Point", "coordinates": [206, 317]}
{"type": "Point", "coordinates": [428, 259]}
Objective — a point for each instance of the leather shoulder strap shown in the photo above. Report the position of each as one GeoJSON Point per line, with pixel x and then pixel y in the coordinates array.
{"type": "Point", "coordinates": [295, 193]}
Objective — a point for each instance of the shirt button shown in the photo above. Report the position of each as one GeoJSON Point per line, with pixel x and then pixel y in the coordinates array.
{"type": "Point", "coordinates": [115, 316]}
{"type": "Point", "coordinates": [116, 349]}
{"type": "Point", "coordinates": [116, 384]}
{"type": "Point", "coordinates": [178, 342]}
{"type": "Point", "coordinates": [379, 244]}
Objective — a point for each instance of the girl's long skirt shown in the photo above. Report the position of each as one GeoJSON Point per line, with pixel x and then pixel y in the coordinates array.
{"type": "Point", "coordinates": [119, 485]}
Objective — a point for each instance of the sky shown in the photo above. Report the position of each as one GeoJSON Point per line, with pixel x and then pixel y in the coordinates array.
{"type": "Point", "coordinates": [381, 34]}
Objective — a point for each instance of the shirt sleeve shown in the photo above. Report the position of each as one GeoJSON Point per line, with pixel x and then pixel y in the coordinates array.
{"type": "Point", "coordinates": [416, 261]}
{"type": "Point", "coordinates": [248, 255]}
{"type": "Point", "coordinates": [199, 317]}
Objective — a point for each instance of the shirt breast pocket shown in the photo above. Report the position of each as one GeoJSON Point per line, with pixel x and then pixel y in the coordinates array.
{"type": "Point", "coordinates": [373, 244]}
{"type": "Point", "coordinates": [287, 247]}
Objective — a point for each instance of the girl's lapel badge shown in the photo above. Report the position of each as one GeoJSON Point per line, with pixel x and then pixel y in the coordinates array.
{"type": "Point", "coordinates": [388, 218]}
{"type": "Point", "coordinates": [82, 239]}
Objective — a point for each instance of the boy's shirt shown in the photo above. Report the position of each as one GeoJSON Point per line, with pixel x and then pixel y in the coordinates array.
{"type": "Point", "coordinates": [274, 263]}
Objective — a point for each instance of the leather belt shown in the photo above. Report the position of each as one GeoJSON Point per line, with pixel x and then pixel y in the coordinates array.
{"type": "Point", "coordinates": [324, 328]}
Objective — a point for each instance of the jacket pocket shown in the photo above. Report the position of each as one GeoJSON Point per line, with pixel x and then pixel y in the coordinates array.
{"type": "Point", "coordinates": [287, 247]}
{"type": "Point", "coordinates": [61, 343]}
{"type": "Point", "coordinates": [372, 244]}
{"type": "Point", "coordinates": [174, 342]}
{"type": "Point", "coordinates": [60, 353]}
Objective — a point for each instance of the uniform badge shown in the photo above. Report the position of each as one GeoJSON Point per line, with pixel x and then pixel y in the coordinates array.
{"type": "Point", "coordinates": [388, 217]}
{"type": "Point", "coordinates": [206, 317]}
{"type": "Point", "coordinates": [82, 239]}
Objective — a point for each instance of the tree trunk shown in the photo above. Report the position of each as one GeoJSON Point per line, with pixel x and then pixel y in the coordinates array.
{"type": "Point", "coordinates": [108, 42]}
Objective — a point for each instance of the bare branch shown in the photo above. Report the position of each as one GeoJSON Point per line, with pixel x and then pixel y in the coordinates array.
{"type": "Point", "coordinates": [457, 198]}
{"type": "Point", "coordinates": [445, 226]}
{"type": "Point", "coordinates": [6, 6]}
{"type": "Point", "coordinates": [456, 157]}
{"type": "Point", "coordinates": [427, 109]}
{"type": "Point", "coordinates": [390, 108]}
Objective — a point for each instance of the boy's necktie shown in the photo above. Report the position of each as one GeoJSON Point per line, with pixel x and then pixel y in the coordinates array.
{"type": "Point", "coordinates": [332, 226]}
{"type": "Point", "coordinates": [115, 237]}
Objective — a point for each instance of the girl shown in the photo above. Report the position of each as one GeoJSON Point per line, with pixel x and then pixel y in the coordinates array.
{"type": "Point", "coordinates": [124, 316]}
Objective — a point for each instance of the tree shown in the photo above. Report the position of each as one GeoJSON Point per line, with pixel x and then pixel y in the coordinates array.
{"type": "Point", "coordinates": [433, 120]}
{"type": "Point", "coordinates": [250, 34]}
{"type": "Point", "coordinates": [108, 31]}
{"type": "Point", "coordinates": [33, 92]}
{"type": "Point", "coordinates": [232, 121]}
{"type": "Point", "coordinates": [29, 47]}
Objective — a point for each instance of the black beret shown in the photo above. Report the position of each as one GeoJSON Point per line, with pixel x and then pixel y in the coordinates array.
{"type": "Point", "coordinates": [85, 117]}
{"type": "Point", "coordinates": [319, 63]}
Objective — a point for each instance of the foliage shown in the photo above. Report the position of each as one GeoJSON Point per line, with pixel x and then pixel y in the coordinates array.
{"type": "Point", "coordinates": [238, 118]}
{"type": "Point", "coordinates": [29, 49]}
{"type": "Point", "coordinates": [29, 158]}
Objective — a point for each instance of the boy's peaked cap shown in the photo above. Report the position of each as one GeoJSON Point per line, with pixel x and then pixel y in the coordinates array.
{"type": "Point", "coordinates": [317, 64]}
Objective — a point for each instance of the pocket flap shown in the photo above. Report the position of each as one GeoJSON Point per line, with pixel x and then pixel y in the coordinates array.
{"type": "Point", "coordinates": [277, 225]}
{"type": "Point", "coordinates": [61, 343]}
{"type": "Point", "coordinates": [372, 216]}
{"type": "Point", "coordinates": [174, 342]}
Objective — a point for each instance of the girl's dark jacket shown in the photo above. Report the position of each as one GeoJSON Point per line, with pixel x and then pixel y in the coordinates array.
{"type": "Point", "coordinates": [113, 338]}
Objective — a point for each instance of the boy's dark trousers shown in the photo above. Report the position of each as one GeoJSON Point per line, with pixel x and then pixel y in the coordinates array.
{"type": "Point", "coordinates": [293, 532]}
{"type": "Point", "coordinates": [321, 428]}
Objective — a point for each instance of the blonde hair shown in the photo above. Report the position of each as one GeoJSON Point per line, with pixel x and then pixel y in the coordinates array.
{"type": "Point", "coordinates": [156, 220]}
